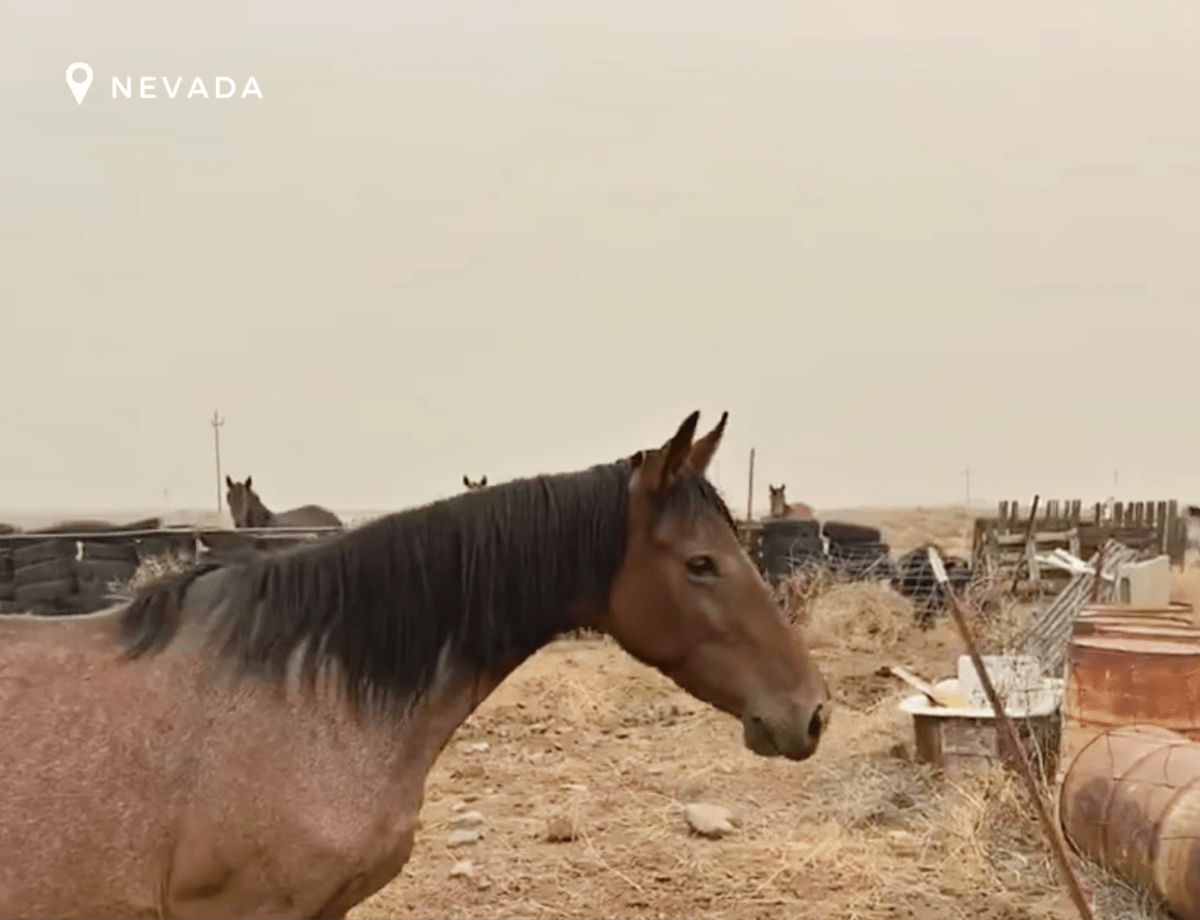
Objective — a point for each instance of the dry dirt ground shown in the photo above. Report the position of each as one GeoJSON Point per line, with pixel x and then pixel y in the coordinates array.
{"type": "Point", "coordinates": [584, 743]}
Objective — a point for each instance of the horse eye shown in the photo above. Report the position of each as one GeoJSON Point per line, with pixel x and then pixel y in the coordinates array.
{"type": "Point", "coordinates": [702, 567]}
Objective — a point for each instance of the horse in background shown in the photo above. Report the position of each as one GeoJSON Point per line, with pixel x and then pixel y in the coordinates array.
{"type": "Point", "coordinates": [248, 510]}
{"type": "Point", "coordinates": [474, 485]}
{"type": "Point", "coordinates": [781, 509]}
{"type": "Point", "coordinates": [253, 739]}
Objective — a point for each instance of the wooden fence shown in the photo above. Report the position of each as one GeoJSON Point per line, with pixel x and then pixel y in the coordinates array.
{"type": "Point", "coordinates": [59, 572]}
{"type": "Point", "coordinates": [1010, 541]}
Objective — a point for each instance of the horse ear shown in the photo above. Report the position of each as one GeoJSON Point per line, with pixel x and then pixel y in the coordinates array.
{"type": "Point", "coordinates": [483, 481]}
{"type": "Point", "coordinates": [466, 481]}
{"type": "Point", "coordinates": [703, 450]}
{"type": "Point", "coordinates": [248, 478]}
{"type": "Point", "coordinates": [662, 466]}
{"type": "Point", "coordinates": [228, 481]}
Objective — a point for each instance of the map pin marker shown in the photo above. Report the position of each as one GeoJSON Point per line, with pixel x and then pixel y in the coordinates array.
{"type": "Point", "coordinates": [79, 88]}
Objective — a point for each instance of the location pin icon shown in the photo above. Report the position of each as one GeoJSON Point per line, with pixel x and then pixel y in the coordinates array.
{"type": "Point", "coordinates": [79, 87]}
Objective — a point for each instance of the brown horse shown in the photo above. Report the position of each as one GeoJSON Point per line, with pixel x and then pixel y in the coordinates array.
{"type": "Point", "coordinates": [781, 509]}
{"type": "Point", "coordinates": [474, 485]}
{"type": "Point", "coordinates": [248, 510]}
{"type": "Point", "coordinates": [253, 740]}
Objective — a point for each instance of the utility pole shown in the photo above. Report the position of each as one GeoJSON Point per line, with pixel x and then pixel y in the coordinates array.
{"type": "Point", "coordinates": [216, 423]}
{"type": "Point", "coordinates": [750, 491]}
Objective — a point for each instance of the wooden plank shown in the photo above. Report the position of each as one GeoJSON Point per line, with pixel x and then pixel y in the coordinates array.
{"type": "Point", "coordinates": [1031, 560]}
{"type": "Point", "coordinates": [1099, 513]}
{"type": "Point", "coordinates": [1119, 513]}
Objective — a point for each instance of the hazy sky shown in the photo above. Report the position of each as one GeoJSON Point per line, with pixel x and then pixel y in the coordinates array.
{"type": "Point", "coordinates": [892, 239]}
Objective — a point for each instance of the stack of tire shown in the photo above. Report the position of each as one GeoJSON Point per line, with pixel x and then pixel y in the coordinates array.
{"type": "Point", "coordinates": [101, 565]}
{"type": "Point", "coordinates": [857, 552]}
{"type": "Point", "coordinates": [44, 576]}
{"type": "Point", "coordinates": [787, 545]}
{"type": "Point", "coordinates": [914, 579]}
{"type": "Point", "coordinates": [8, 602]}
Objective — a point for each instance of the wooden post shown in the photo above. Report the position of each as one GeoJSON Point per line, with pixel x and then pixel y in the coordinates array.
{"type": "Point", "coordinates": [1029, 547]}
{"type": "Point", "coordinates": [750, 492]}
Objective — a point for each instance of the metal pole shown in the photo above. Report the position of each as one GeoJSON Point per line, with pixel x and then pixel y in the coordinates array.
{"type": "Point", "coordinates": [750, 493]}
{"type": "Point", "coordinates": [217, 422]}
{"type": "Point", "coordinates": [1024, 767]}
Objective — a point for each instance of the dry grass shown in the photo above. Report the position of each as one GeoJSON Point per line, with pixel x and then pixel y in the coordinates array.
{"type": "Point", "coordinates": [860, 616]}
{"type": "Point", "coordinates": [149, 571]}
{"type": "Point", "coordinates": [582, 734]}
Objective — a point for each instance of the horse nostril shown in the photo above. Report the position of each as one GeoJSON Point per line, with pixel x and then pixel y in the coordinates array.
{"type": "Point", "coordinates": [817, 723]}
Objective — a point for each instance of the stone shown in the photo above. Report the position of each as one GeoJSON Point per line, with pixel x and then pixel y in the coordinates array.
{"type": "Point", "coordinates": [461, 838]}
{"type": "Point", "coordinates": [709, 820]}
{"type": "Point", "coordinates": [467, 819]}
{"type": "Point", "coordinates": [560, 830]}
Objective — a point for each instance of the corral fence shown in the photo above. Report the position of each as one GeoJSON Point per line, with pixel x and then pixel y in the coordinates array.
{"type": "Point", "coordinates": [1008, 545]}
{"type": "Point", "coordinates": [56, 572]}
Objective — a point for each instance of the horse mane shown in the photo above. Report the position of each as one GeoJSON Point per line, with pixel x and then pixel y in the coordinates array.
{"type": "Point", "coordinates": [485, 575]}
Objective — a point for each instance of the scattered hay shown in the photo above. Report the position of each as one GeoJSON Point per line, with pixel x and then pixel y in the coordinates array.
{"type": "Point", "coordinates": [862, 616]}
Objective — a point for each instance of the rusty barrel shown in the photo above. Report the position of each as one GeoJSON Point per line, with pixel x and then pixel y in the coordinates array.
{"type": "Point", "coordinates": [1131, 801]}
{"type": "Point", "coordinates": [1126, 667]}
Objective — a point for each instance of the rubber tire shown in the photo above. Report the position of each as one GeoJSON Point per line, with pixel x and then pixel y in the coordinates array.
{"type": "Point", "coordinates": [42, 550]}
{"type": "Point", "coordinates": [103, 571]}
{"type": "Point", "coordinates": [781, 557]}
{"type": "Point", "coordinates": [50, 570]}
{"type": "Point", "coordinates": [844, 533]}
{"type": "Point", "coordinates": [791, 528]}
{"type": "Point", "coordinates": [44, 591]}
{"type": "Point", "coordinates": [115, 551]}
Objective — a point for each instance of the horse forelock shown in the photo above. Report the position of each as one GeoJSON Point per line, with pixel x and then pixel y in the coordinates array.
{"type": "Point", "coordinates": [484, 578]}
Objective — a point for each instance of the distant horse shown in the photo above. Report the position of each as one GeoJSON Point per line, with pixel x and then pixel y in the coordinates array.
{"type": "Point", "coordinates": [474, 485]}
{"type": "Point", "coordinates": [781, 509]}
{"type": "Point", "coordinates": [253, 739]}
{"type": "Point", "coordinates": [248, 510]}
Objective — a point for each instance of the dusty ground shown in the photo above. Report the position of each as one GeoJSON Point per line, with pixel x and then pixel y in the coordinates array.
{"type": "Point", "coordinates": [584, 735]}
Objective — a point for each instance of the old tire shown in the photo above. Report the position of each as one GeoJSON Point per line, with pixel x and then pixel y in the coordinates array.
{"type": "Point", "coordinates": [790, 527]}
{"type": "Point", "coordinates": [111, 551]}
{"type": "Point", "coordinates": [50, 570]}
{"type": "Point", "coordinates": [845, 534]}
{"type": "Point", "coordinates": [43, 550]}
{"type": "Point", "coordinates": [104, 571]}
{"type": "Point", "coordinates": [42, 592]}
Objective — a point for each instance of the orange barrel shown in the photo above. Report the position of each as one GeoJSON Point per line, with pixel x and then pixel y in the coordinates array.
{"type": "Point", "coordinates": [1125, 666]}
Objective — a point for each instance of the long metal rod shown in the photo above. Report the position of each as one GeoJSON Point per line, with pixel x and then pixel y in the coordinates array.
{"type": "Point", "coordinates": [1053, 831]}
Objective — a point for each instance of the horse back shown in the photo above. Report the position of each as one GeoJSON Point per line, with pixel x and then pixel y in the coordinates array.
{"type": "Point", "coordinates": [307, 516]}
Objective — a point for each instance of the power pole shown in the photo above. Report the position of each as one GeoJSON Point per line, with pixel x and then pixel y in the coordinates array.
{"type": "Point", "coordinates": [750, 491]}
{"type": "Point", "coordinates": [967, 473]}
{"type": "Point", "coordinates": [216, 423]}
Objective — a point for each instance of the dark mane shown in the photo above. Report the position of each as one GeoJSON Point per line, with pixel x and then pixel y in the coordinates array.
{"type": "Point", "coordinates": [488, 573]}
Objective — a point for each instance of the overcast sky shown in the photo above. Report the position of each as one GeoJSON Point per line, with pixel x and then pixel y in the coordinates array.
{"type": "Point", "coordinates": [893, 240]}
